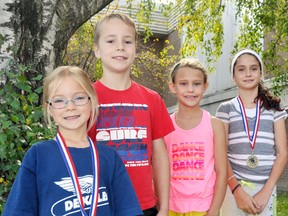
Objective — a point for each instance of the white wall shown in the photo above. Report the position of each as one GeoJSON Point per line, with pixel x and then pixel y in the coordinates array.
{"type": "Point", "coordinates": [221, 85]}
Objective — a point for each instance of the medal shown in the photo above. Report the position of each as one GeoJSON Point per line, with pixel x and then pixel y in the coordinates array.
{"type": "Point", "coordinates": [74, 177]}
{"type": "Point", "coordinates": [252, 161]}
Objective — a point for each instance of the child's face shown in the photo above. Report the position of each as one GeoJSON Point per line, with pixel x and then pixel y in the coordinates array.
{"type": "Point", "coordinates": [70, 117]}
{"type": "Point", "coordinates": [116, 46]}
{"type": "Point", "coordinates": [189, 86]}
{"type": "Point", "coordinates": [247, 72]}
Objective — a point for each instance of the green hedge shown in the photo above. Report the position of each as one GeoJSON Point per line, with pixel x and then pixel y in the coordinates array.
{"type": "Point", "coordinates": [21, 120]}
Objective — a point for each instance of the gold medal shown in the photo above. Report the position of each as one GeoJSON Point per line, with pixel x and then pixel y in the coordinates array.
{"type": "Point", "coordinates": [252, 161]}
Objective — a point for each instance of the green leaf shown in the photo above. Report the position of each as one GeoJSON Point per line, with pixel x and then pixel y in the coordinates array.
{"type": "Point", "coordinates": [23, 86]}
{"type": "Point", "coordinates": [6, 124]}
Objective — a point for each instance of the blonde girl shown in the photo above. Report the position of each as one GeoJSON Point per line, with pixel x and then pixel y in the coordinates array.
{"type": "Point", "coordinates": [197, 149]}
{"type": "Point", "coordinates": [69, 175]}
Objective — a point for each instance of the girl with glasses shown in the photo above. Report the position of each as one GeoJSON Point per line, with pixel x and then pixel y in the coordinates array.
{"type": "Point", "coordinates": [70, 175]}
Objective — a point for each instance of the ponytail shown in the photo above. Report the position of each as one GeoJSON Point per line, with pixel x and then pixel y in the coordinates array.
{"type": "Point", "coordinates": [269, 101]}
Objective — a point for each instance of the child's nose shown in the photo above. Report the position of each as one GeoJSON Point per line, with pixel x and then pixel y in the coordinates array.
{"type": "Point", "coordinates": [248, 73]}
{"type": "Point", "coordinates": [190, 87]}
{"type": "Point", "coordinates": [120, 46]}
{"type": "Point", "coordinates": [70, 103]}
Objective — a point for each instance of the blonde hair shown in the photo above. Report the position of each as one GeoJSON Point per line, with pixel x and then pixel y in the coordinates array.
{"type": "Point", "coordinates": [191, 63]}
{"type": "Point", "coordinates": [56, 77]}
{"type": "Point", "coordinates": [126, 19]}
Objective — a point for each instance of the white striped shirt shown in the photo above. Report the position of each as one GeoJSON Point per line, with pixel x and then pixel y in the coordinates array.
{"type": "Point", "coordinates": [239, 145]}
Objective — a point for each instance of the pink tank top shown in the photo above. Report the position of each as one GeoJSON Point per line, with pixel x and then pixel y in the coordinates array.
{"type": "Point", "coordinates": [192, 166]}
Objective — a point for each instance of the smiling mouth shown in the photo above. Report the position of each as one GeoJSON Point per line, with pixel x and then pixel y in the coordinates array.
{"type": "Point", "coordinates": [190, 97]}
{"type": "Point", "coordinates": [72, 117]}
{"type": "Point", "coordinates": [119, 58]}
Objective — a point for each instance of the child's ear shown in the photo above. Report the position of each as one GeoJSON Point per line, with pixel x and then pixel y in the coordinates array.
{"type": "Point", "coordinates": [206, 86]}
{"type": "Point", "coordinates": [172, 88]}
{"type": "Point", "coordinates": [96, 51]}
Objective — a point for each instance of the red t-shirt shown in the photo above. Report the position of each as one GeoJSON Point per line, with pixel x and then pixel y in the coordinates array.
{"type": "Point", "coordinates": [128, 121]}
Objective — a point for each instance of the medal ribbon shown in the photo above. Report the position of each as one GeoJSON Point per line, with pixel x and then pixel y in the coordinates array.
{"type": "Point", "coordinates": [73, 173]}
{"type": "Point", "coordinates": [252, 139]}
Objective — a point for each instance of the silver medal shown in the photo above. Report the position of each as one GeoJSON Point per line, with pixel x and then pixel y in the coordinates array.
{"type": "Point", "coordinates": [252, 161]}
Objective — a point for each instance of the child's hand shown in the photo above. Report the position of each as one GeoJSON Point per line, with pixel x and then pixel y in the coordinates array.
{"type": "Point", "coordinates": [245, 202]}
{"type": "Point", "coordinates": [162, 213]}
{"type": "Point", "coordinates": [212, 213]}
{"type": "Point", "coordinates": [262, 198]}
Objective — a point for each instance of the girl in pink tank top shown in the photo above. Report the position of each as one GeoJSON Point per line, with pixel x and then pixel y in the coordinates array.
{"type": "Point", "coordinates": [197, 147]}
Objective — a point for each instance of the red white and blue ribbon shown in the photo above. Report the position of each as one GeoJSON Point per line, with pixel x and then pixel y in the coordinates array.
{"type": "Point", "coordinates": [73, 173]}
{"type": "Point", "coordinates": [252, 138]}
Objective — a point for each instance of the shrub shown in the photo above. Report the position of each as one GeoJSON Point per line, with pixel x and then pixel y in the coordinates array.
{"type": "Point", "coordinates": [282, 204]}
{"type": "Point", "coordinates": [20, 120]}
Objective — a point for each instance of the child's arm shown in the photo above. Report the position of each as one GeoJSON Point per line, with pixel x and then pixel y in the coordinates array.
{"type": "Point", "coordinates": [263, 195]}
{"type": "Point", "coordinates": [244, 201]}
{"type": "Point", "coordinates": [161, 178]}
{"type": "Point", "coordinates": [220, 156]}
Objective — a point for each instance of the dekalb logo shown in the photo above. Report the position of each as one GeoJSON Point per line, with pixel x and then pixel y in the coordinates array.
{"type": "Point", "coordinates": [70, 205]}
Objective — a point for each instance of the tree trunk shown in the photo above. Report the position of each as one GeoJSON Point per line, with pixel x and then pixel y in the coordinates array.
{"type": "Point", "coordinates": [37, 31]}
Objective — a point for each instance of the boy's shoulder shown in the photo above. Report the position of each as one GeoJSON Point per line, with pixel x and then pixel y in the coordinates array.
{"type": "Point", "coordinates": [97, 84]}
{"type": "Point", "coordinates": [135, 95]}
{"type": "Point", "coordinates": [144, 89]}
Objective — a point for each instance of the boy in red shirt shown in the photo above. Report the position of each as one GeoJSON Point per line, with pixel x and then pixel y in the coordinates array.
{"type": "Point", "coordinates": [132, 119]}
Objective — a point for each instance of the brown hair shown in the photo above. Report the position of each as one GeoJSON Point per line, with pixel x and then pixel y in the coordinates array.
{"type": "Point", "coordinates": [269, 100]}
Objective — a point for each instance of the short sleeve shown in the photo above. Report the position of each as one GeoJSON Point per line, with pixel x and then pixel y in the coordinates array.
{"type": "Point", "coordinates": [222, 112]}
{"type": "Point", "coordinates": [280, 115]}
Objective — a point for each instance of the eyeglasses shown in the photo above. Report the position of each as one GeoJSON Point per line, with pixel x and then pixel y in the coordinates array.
{"type": "Point", "coordinates": [60, 103]}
